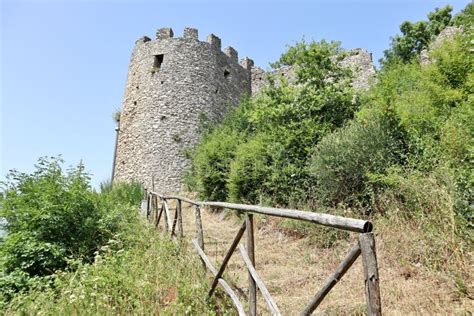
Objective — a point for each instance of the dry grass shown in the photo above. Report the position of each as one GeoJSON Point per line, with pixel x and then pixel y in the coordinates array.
{"type": "Point", "coordinates": [293, 269]}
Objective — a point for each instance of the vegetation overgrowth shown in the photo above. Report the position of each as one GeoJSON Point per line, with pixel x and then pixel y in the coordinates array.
{"type": "Point", "coordinates": [400, 152]}
{"type": "Point", "coordinates": [72, 250]}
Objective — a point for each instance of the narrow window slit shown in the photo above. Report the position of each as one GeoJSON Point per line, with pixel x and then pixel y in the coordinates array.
{"type": "Point", "coordinates": [226, 73]}
{"type": "Point", "coordinates": [157, 61]}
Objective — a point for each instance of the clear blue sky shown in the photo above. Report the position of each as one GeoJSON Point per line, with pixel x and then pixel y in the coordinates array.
{"type": "Point", "coordinates": [64, 63]}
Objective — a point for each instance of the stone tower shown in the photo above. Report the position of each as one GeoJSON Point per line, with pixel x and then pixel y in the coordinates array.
{"type": "Point", "coordinates": [172, 84]}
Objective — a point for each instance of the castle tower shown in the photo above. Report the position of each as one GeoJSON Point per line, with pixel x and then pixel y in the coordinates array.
{"type": "Point", "coordinates": [172, 84]}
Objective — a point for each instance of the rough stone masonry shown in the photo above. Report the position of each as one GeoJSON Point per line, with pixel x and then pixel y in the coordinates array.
{"type": "Point", "coordinates": [172, 85]}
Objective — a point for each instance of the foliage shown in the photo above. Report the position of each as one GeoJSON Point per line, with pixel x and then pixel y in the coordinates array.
{"type": "Point", "coordinates": [422, 203]}
{"type": "Point", "coordinates": [56, 221]}
{"type": "Point", "coordinates": [212, 163]}
{"type": "Point", "coordinates": [249, 171]}
{"type": "Point", "coordinates": [231, 163]}
{"type": "Point", "coordinates": [465, 18]}
{"type": "Point", "coordinates": [434, 106]}
{"type": "Point", "coordinates": [416, 36]}
{"type": "Point", "coordinates": [346, 160]}
{"type": "Point", "coordinates": [147, 274]}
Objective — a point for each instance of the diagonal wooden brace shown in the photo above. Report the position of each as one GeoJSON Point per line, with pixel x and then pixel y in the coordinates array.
{"type": "Point", "coordinates": [227, 258]}
{"type": "Point", "coordinates": [332, 280]}
{"type": "Point", "coordinates": [263, 289]}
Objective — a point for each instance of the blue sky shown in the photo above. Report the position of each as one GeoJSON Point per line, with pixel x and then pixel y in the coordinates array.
{"type": "Point", "coordinates": [64, 63]}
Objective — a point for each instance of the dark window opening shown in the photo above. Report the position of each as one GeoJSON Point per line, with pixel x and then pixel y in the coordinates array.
{"type": "Point", "coordinates": [158, 60]}
{"type": "Point", "coordinates": [226, 73]}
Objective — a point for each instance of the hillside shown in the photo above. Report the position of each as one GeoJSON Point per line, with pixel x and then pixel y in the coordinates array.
{"type": "Point", "coordinates": [398, 153]}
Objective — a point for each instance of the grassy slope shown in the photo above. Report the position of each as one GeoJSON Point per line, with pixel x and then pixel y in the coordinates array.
{"type": "Point", "coordinates": [152, 276]}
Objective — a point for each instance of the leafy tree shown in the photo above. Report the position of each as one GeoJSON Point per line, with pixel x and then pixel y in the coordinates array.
{"type": "Point", "coordinates": [55, 220]}
{"type": "Point", "coordinates": [465, 18]}
{"type": "Point", "coordinates": [231, 161]}
{"type": "Point", "coordinates": [416, 36]}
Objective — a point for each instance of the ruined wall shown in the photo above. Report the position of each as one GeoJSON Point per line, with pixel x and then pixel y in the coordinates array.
{"type": "Point", "coordinates": [447, 34]}
{"type": "Point", "coordinates": [358, 60]}
{"type": "Point", "coordinates": [175, 83]}
{"type": "Point", "coordinates": [172, 84]}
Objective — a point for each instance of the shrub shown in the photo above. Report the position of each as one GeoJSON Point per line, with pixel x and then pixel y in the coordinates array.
{"type": "Point", "coordinates": [211, 164]}
{"type": "Point", "coordinates": [344, 160]}
{"type": "Point", "coordinates": [423, 204]}
{"type": "Point", "coordinates": [264, 145]}
{"type": "Point", "coordinates": [56, 221]}
{"type": "Point", "coordinates": [249, 171]}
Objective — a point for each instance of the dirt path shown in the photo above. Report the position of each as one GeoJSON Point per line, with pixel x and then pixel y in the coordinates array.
{"type": "Point", "coordinates": [294, 270]}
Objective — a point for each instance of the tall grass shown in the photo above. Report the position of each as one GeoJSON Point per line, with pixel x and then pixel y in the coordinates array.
{"type": "Point", "coordinates": [151, 275]}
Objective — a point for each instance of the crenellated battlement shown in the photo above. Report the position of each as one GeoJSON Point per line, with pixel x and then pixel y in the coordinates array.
{"type": "Point", "coordinates": [214, 41]}
{"type": "Point", "coordinates": [190, 33]}
{"type": "Point", "coordinates": [164, 33]}
{"type": "Point", "coordinates": [173, 82]}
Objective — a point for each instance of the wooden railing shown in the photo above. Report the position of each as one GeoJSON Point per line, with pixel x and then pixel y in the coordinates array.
{"type": "Point", "coordinates": [157, 207]}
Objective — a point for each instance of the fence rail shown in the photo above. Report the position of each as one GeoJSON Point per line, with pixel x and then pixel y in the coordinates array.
{"type": "Point", "coordinates": [157, 207]}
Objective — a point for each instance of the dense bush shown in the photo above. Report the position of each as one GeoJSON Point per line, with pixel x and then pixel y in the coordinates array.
{"type": "Point", "coordinates": [55, 221]}
{"type": "Point", "coordinates": [212, 163]}
{"type": "Point", "coordinates": [249, 171]}
{"type": "Point", "coordinates": [262, 148]}
{"type": "Point", "coordinates": [345, 161]}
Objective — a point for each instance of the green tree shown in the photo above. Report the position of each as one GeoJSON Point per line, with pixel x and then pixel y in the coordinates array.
{"type": "Point", "coordinates": [416, 36]}
{"type": "Point", "coordinates": [55, 220]}
{"type": "Point", "coordinates": [262, 148]}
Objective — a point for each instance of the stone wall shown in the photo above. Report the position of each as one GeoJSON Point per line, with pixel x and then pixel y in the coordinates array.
{"type": "Point", "coordinates": [447, 34]}
{"type": "Point", "coordinates": [175, 83]}
{"type": "Point", "coordinates": [358, 60]}
{"type": "Point", "coordinates": [172, 84]}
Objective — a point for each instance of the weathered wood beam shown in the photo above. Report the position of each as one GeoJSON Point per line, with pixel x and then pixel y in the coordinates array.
{"type": "Point", "coordinates": [199, 230]}
{"type": "Point", "coordinates": [179, 208]}
{"type": "Point", "coordinates": [371, 274]}
{"type": "Point", "coordinates": [263, 289]}
{"type": "Point", "coordinates": [333, 279]}
{"type": "Point", "coordinates": [251, 255]}
{"type": "Point", "coordinates": [345, 223]}
{"type": "Point", "coordinates": [167, 216]}
{"type": "Point", "coordinates": [175, 221]}
{"type": "Point", "coordinates": [227, 258]}
{"type": "Point", "coordinates": [159, 215]}
{"type": "Point", "coordinates": [222, 282]}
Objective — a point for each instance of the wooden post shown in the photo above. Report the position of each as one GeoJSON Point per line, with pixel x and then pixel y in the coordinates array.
{"type": "Point", "coordinates": [371, 274]}
{"type": "Point", "coordinates": [148, 202]}
{"type": "Point", "coordinates": [251, 254]}
{"type": "Point", "coordinates": [199, 231]}
{"type": "Point", "coordinates": [180, 218]}
{"type": "Point", "coordinates": [168, 222]}
{"type": "Point", "coordinates": [175, 221]}
{"type": "Point", "coordinates": [152, 208]}
{"type": "Point", "coordinates": [159, 216]}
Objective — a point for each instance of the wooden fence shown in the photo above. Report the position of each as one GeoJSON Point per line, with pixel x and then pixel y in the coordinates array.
{"type": "Point", "coordinates": [157, 207]}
